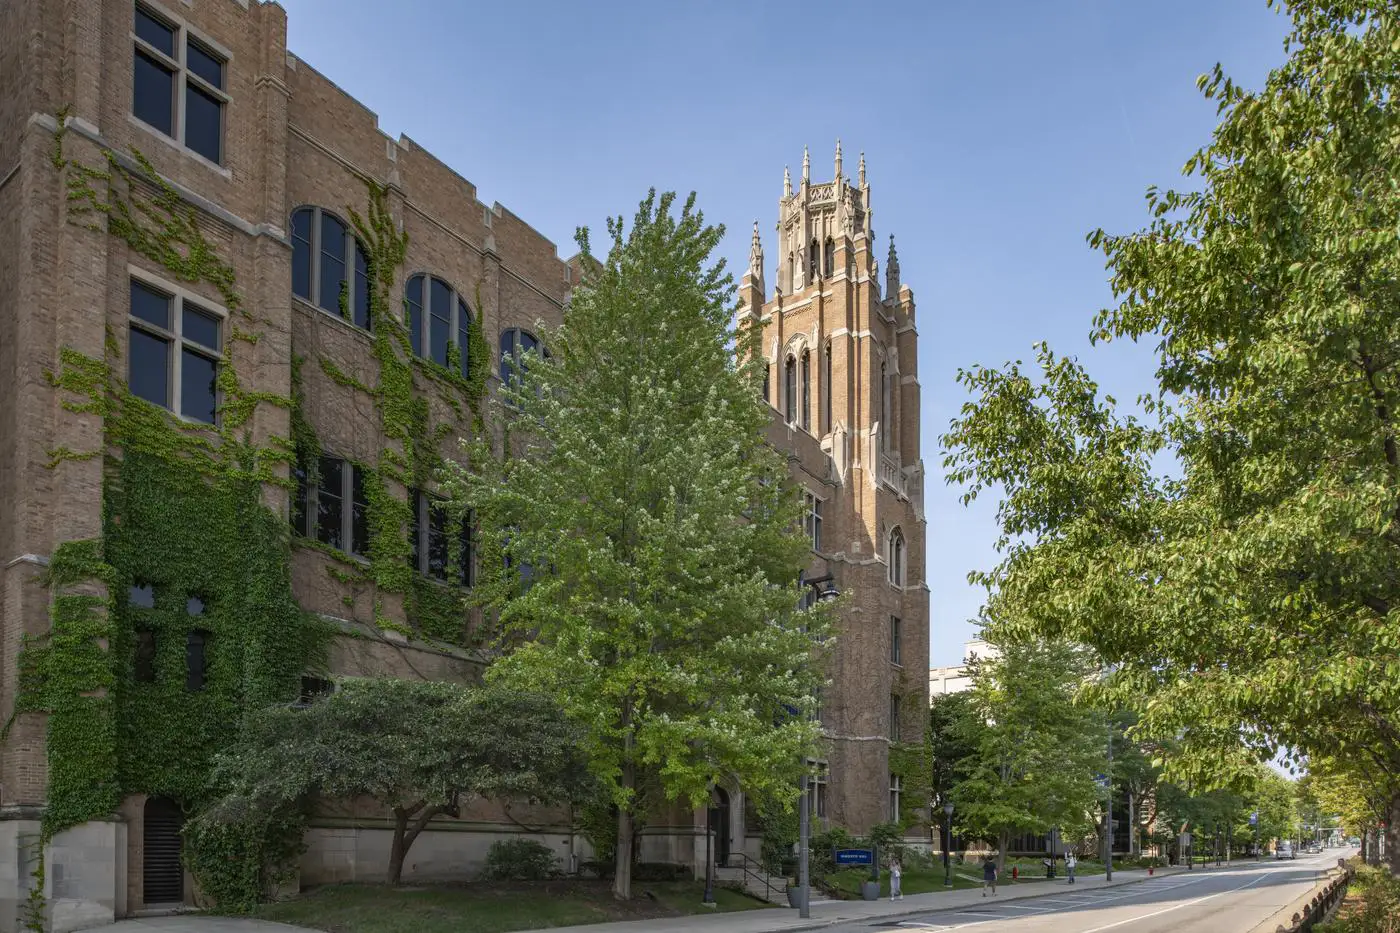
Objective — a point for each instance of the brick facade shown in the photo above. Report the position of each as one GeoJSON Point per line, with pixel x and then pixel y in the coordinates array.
{"type": "Point", "coordinates": [291, 139]}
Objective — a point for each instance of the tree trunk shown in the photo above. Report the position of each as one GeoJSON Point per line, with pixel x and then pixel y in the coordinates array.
{"type": "Point", "coordinates": [1133, 848]}
{"type": "Point", "coordinates": [405, 834]}
{"type": "Point", "coordinates": [1003, 843]}
{"type": "Point", "coordinates": [622, 860]}
{"type": "Point", "coordinates": [1392, 837]}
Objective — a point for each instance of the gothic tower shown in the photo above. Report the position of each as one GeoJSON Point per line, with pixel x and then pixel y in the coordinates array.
{"type": "Point", "coordinates": [841, 346]}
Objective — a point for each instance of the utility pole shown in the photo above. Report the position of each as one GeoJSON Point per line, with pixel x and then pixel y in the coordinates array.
{"type": "Point", "coordinates": [804, 831]}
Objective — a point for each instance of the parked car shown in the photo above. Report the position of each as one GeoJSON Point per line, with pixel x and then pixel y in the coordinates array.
{"type": "Point", "coordinates": [1285, 850]}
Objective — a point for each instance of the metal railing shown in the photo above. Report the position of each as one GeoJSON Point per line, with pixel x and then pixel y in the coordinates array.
{"type": "Point", "coordinates": [1320, 907]}
{"type": "Point", "coordinates": [754, 869]}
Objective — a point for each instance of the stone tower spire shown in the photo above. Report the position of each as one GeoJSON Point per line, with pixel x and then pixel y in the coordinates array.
{"type": "Point", "coordinates": [806, 166]}
{"type": "Point", "coordinates": [756, 255]}
{"type": "Point", "coordinates": [862, 169]}
{"type": "Point", "coordinates": [838, 159]}
{"type": "Point", "coordinates": [892, 274]}
{"type": "Point", "coordinates": [787, 182]}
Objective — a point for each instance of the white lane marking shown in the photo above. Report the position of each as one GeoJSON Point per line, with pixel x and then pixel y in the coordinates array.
{"type": "Point", "coordinates": [1164, 910]}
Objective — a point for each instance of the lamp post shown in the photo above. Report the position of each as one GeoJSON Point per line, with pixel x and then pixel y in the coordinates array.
{"type": "Point", "coordinates": [947, 843]}
{"type": "Point", "coordinates": [709, 900]}
{"type": "Point", "coordinates": [825, 589]}
{"type": "Point", "coordinates": [1050, 868]}
{"type": "Point", "coordinates": [1108, 821]}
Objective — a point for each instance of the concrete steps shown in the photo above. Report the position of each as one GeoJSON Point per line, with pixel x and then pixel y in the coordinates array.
{"type": "Point", "coordinates": [753, 883]}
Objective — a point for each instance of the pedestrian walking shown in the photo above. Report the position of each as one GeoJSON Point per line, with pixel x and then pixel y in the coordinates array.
{"type": "Point", "coordinates": [1070, 862]}
{"type": "Point", "coordinates": [989, 876]}
{"type": "Point", "coordinates": [896, 872]}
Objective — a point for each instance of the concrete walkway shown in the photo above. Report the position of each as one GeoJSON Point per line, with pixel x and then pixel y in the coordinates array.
{"type": "Point", "coordinates": [774, 920]}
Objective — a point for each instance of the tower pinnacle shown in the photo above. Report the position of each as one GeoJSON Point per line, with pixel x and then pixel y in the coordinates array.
{"type": "Point", "coordinates": [756, 256]}
{"type": "Point", "coordinates": [838, 159]}
{"type": "Point", "coordinates": [787, 182]}
{"type": "Point", "coordinates": [862, 169]}
{"type": "Point", "coordinates": [806, 166]}
{"type": "Point", "coordinates": [892, 273]}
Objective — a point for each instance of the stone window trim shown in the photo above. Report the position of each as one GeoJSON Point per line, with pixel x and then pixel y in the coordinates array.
{"type": "Point", "coordinates": [896, 558]}
{"type": "Point", "coordinates": [812, 518]}
{"type": "Point", "coordinates": [896, 792]}
{"type": "Point", "coordinates": [184, 78]}
{"type": "Point", "coordinates": [354, 258]}
{"type": "Point", "coordinates": [818, 786]}
{"type": "Point", "coordinates": [178, 298]}
{"type": "Point", "coordinates": [304, 506]}
{"type": "Point", "coordinates": [459, 319]}
{"type": "Point", "coordinates": [896, 641]}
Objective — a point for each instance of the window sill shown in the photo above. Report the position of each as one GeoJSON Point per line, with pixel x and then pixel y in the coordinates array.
{"type": "Point", "coordinates": [316, 544]}
{"type": "Point", "coordinates": [298, 301]}
{"type": "Point", "coordinates": [180, 147]}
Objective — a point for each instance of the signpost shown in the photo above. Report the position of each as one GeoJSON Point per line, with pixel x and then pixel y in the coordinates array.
{"type": "Point", "coordinates": [1254, 822]}
{"type": "Point", "coordinates": [854, 857]}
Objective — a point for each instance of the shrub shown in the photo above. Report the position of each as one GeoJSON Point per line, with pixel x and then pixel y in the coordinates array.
{"type": "Point", "coordinates": [659, 871]}
{"type": "Point", "coordinates": [519, 860]}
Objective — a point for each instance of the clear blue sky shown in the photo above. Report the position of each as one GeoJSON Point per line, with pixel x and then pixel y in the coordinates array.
{"type": "Point", "coordinates": [996, 133]}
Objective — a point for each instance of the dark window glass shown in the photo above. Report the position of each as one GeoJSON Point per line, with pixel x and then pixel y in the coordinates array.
{"type": "Point", "coordinates": [196, 660]}
{"type": "Point", "coordinates": [314, 688]}
{"type": "Point", "coordinates": [895, 636]}
{"type": "Point", "coordinates": [148, 372]}
{"type": "Point", "coordinates": [359, 513]}
{"type": "Point", "coordinates": [330, 504]}
{"type": "Point", "coordinates": [204, 123]}
{"type": "Point", "coordinates": [361, 296]}
{"type": "Point", "coordinates": [527, 342]}
{"type": "Point", "coordinates": [790, 390]}
{"type": "Point", "coordinates": [150, 305]}
{"type": "Point", "coordinates": [830, 257]}
{"type": "Point", "coordinates": [439, 320]}
{"type": "Point", "coordinates": [415, 548]}
{"type": "Point", "coordinates": [155, 32]}
{"type": "Point", "coordinates": [464, 319]}
{"type": "Point", "coordinates": [194, 606]}
{"type": "Point", "coordinates": [332, 263]}
{"type": "Point", "coordinates": [507, 354]}
{"type": "Point", "coordinates": [826, 389]}
{"type": "Point", "coordinates": [466, 570]}
{"type": "Point", "coordinates": [301, 253]}
{"type": "Point", "coordinates": [437, 542]}
{"type": "Point", "coordinates": [200, 326]}
{"type": "Point", "coordinates": [805, 413]}
{"type": "Point", "coordinates": [414, 294]}
{"type": "Point", "coordinates": [142, 596]}
{"type": "Point", "coordinates": [205, 64]}
{"type": "Point", "coordinates": [198, 391]}
{"type": "Point", "coordinates": [767, 373]}
{"type": "Point", "coordinates": [894, 718]}
{"type": "Point", "coordinates": [144, 668]}
{"type": "Point", "coordinates": [299, 497]}
{"type": "Point", "coordinates": [153, 93]}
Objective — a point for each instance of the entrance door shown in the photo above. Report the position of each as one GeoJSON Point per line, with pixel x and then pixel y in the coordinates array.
{"type": "Point", "coordinates": [163, 878]}
{"type": "Point", "coordinates": [719, 821]}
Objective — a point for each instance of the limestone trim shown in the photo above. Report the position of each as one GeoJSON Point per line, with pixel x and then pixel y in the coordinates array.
{"type": "Point", "coordinates": [301, 304]}
{"type": "Point", "coordinates": [412, 206]}
{"type": "Point", "coordinates": [9, 175]}
{"type": "Point", "coordinates": [842, 737]}
{"type": "Point", "coordinates": [194, 199]}
{"type": "Point", "coordinates": [38, 560]}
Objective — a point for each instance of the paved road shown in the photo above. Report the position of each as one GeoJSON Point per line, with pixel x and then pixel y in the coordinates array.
{"type": "Point", "coordinates": [1233, 900]}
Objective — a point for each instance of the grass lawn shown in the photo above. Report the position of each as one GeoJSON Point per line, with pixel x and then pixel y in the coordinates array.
{"type": "Point", "coordinates": [916, 881]}
{"type": "Point", "coordinates": [490, 907]}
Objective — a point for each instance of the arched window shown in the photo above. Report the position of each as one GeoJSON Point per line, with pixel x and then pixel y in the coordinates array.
{"type": "Point", "coordinates": [896, 557]}
{"type": "Point", "coordinates": [790, 389]}
{"type": "Point", "coordinates": [825, 388]}
{"type": "Point", "coordinates": [515, 343]}
{"type": "Point", "coordinates": [767, 376]}
{"type": "Point", "coordinates": [813, 254]}
{"type": "Point", "coordinates": [439, 322]}
{"type": "Point", "coordinates": [805, 415]}
{"type": "Point", "coordinates": [321, 272]}
{"type": "Point", "coordinates": [829, 257]}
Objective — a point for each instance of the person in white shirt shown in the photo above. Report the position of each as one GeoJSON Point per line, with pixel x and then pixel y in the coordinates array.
{"type": "Point", "coordinates": [1070, 863]}
{"type": "Point", "coordinates": [896, 871]}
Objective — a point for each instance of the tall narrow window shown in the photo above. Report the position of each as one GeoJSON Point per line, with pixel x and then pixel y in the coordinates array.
{"type": "Point", "coordinates": [336, 508]}
{"type": "Point", "coordinates": [896, 635]}
{"type": "Point", "coordinates": [144, 666]}
{"type": "Point", "coordinates": [884, 409]}
{"type": "Point", "coordinates": [894, 717]}
{"type": "Point", "coordinates": [429, 541]}
{"type": "Point", "coordinates": [806, 412]}
{"type": "Point", "coordinates": [818, 780]}
{"type": "Point", "coordinates": [439, 323]}
{"type": "Point", "coordinates": [330, 268]}
{"type": "Point", "coordinates": [896, 557]}
{"type": "Point", "coordinates": [767, 377]}
{"type": "Point", "coordinates": [196, 660]}
{"type": "Point", "coordinates": [829, 257]}
{"type": "Point", "coordinates": [896, 792]}
{"type": "Point", "coordinates": [826, 388]}
{"type": "Point", "coordinates": [790, 389]}
{"type": "Point", "coordinates": [813, 257]}
{"type": "Point", "coordinates": [170, 67]}
{"type": "Point", "coordinates": [174, 351]}
{"type": "Point", "coordinates": [813, 520]}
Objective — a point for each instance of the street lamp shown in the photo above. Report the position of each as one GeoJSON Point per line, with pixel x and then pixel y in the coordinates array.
{"type": "Point", "coordinates": [825, 589]}
{"type": "Point", "coordinates": [947, 843]}
{"type": "Point", "coordinates": [1108, 821]}
{"type": "Point", "coordinates": [1050, 868]}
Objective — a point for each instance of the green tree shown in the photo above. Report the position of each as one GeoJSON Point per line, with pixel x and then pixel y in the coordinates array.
{"type": "Point", "coordinates": [661, 532]}
{"type": "Point", "coordinates": [1248, 599]}
{"type": "Point", "coordinates": [1033, 764]}
{"type": "Point", "coordinates": [420, 748]}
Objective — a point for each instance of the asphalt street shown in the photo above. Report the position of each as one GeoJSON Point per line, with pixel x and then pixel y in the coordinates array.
{"type": "Point", "coordinates": [1232, 900]}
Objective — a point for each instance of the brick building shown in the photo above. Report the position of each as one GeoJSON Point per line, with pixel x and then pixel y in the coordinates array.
{"type": "Point", "coordinates": [235, 292]}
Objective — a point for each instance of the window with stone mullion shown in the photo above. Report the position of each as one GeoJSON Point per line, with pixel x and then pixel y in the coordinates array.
{"type": "Point", "coordinates": [178, 83]}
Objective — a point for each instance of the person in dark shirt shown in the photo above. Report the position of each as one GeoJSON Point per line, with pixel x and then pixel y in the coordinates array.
{"type": "Point", "coordinates": [989, 876]}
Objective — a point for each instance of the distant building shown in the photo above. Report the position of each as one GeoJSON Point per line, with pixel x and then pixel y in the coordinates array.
{"type": "Point", "coordinates": [955, 678]}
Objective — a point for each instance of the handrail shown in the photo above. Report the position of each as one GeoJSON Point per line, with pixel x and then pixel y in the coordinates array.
{"type": "Point", "coordinates": [744, 862]}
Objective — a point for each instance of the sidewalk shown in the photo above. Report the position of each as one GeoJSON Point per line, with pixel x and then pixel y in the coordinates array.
{"type": "Point", "coordinates": [828, 913]}
{"type": "Point", "coordinates": [774, 920]}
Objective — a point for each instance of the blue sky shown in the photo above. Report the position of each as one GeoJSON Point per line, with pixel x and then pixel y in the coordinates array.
{"type": "Point", "coordinates": [996, 133]}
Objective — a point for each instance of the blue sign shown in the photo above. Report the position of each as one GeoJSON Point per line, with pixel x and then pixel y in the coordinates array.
{"type": "Point", "coordinates": [854, 857]}
{"type": "Point", "coordinates": [1254, 818]}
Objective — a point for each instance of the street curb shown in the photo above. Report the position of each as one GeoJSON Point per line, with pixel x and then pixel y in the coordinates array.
{"type": "Point", "coordinates": [915, 911]}
{"type": "Point", "coordinates": [1284, 915]}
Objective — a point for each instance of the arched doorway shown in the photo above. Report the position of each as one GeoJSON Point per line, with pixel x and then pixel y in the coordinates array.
{"type": "Point", "coordinates": [162, 876]}
{"type": "Point", "coordinates": [719, 825]}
